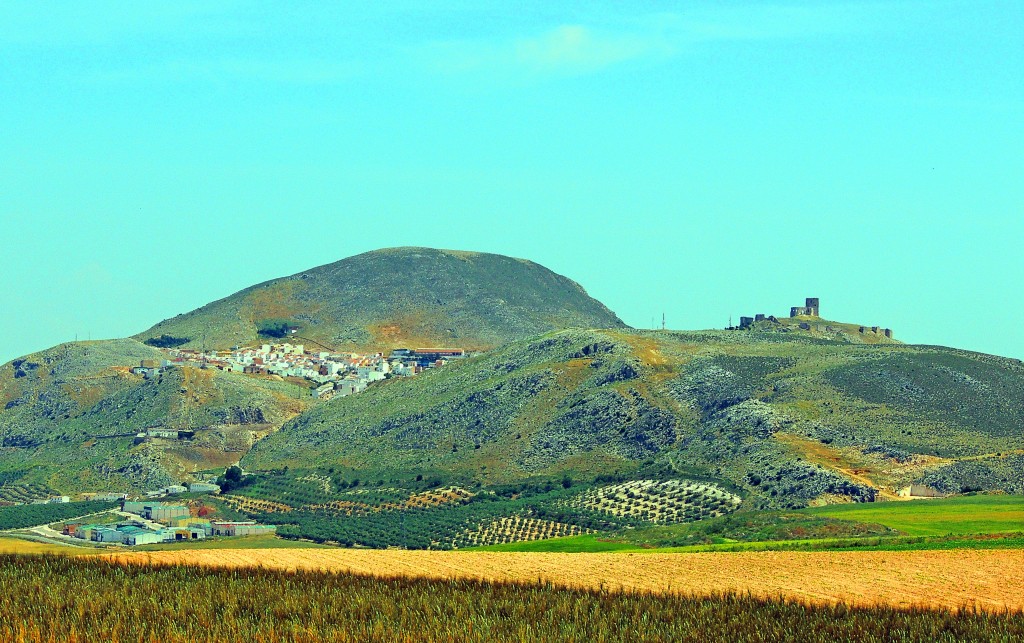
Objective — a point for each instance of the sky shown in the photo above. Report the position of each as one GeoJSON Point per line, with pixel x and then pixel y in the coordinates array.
{"type": "Point", "coordinates": [697, 159]}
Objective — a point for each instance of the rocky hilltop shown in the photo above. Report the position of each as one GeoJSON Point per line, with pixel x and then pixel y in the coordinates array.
{"type": "Point", "coordinates": [395, 297]}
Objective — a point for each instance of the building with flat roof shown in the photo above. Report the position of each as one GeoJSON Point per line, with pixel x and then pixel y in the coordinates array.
{"type": "Point", "coordinates": [158, 511]}
{"type": "Point", "coordinates": [241, 528]}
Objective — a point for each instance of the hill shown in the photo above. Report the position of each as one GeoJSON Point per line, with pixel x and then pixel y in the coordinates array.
{"type": "Point", "coordinates": [782, 419]}
{"type": "Point", "coordinates": [553, 431]}
{"type": "Point", "coordinates": [396, 297]}
{"type": "Point", "coordinates": [70, 416]}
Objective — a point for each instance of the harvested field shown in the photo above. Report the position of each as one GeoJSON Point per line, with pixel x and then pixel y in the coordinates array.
{"type": "Point", "coordinates": [19, 546]}
{"type": "Point", "coordinates": [990, 579]}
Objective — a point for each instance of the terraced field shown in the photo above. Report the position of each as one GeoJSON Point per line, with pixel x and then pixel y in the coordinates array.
{"type": "Point", "coordinates": [255, 505]}
{"type": "Point", "coordinates": [436, 498]}
{"type": "Point", "coordinates": [516, 529]}
{"type": "Point", "coordinates": [992, 579]}
{"type": "Point", "coordinates": [324, 482]}
{"type": "Point", "coordinates": [23, 493]}
{"type": "Point", "coordinates": [356, 503]}
{"type": "Point", "coordinates": [669, 501]}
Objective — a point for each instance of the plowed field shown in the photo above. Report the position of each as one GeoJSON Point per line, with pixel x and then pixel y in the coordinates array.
{"type": "Point", "coordinates": [985, 578]}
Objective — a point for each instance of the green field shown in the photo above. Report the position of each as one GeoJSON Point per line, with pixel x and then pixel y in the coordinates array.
{"type": "Point", "coordinates": [20, 516]}
{"type": "Point", "coordinates": [961, 515]}
{"type": "Point", "coordinates": [971, 522]}
{"type": "Point", "coordinates": [569, 544]}
{"type": "Point", "coordinates": [108, 518]}
{"type": "Point", "coordinates": [242, 542]}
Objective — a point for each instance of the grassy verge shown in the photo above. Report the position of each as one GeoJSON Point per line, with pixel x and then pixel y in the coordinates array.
{"type": "Point", "coordinates": [891, 543]}
{"type": "Point", "coordinates": [241, 542]}
{"type": "Point", "coordinates": [590, 544]}
{"type": "Point", "coordinates": [569, 544]}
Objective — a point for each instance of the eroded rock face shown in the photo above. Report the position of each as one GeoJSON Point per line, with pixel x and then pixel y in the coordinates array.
{"type": "Point", "coordinates": [142, 467]}
{"type": "Point", "coordinates": [899, 455]}
{"type": "Point", "coordinates": [241, 415]}
{"type": "Point", "coordinates": [1003, 473]}
{"type": "Point", "coordinates": [756, 418]}
{"type": "Point", "coordinates": [624, 422]}
{"type": "Point", "coordinates": [616, 370]}
{"type": "Point", "coordinates": [711, 387]}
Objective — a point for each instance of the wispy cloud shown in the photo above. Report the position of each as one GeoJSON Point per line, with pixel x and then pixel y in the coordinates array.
{"type": "Point", "coordinates": [567, 49]}
{"type": "Point", "coordinates": [220, 41]}
{"type": "Point", "coordinates": [577, 48]}
{"type": "Point", "coordinates": [580, 48]}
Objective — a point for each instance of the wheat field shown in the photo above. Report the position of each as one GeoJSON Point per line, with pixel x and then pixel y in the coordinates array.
{"type": "Point", "coordinates": [987, 579]}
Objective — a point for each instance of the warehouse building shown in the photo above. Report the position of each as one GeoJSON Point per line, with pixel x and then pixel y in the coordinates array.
{"type": "Point", "coordinates": [158, 511]}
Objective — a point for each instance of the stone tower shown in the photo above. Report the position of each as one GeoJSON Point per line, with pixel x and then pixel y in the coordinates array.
{"type": "Point", "coordinates": [812, 306]}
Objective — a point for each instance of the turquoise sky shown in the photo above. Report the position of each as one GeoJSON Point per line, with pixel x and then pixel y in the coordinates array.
{"type": "Point", "coordinates": [705, 159]}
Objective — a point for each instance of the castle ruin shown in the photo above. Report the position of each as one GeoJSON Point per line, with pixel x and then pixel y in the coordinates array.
{"type": "Point", "coordinates": [809, 309]}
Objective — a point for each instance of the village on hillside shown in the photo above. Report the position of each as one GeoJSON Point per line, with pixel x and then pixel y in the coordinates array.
{"type": "Point", "coordinates": [334, 374]}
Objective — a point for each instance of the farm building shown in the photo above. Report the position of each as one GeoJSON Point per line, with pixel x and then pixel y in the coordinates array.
{"type": "Point", "coordinates": [165, 513]}
{"type": "Point", "coordinates": [255, 530]}
{"type": "Point", "coordinates": [158, 511]}
{"type": "Point", "coordinates": [186, 533]}
{"type": "Point", "coordinates": [107, 497]}
{"type": "Point", "coordinates": [202, 525]}
{"type": "Point", "coordinates": [134, 507]}
{"type": "Point", "coordinates": [919, 491]}
{"type": "Point", "coordinates": [108, 535]}
{"type": "Point", "coordinates": [203, 487]}
{"type": "Point", "coordinates": [241, 528]}
{"type": "Point", "coordinates": [85, 532]}
{"type": "Point", "coordinates": [145, 537]}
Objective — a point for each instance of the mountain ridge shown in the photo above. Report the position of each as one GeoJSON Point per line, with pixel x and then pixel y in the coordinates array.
{"type": "Point", "coordinates": [780, 414]}
{"type": "Point", "coordinates": [821, 418]}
